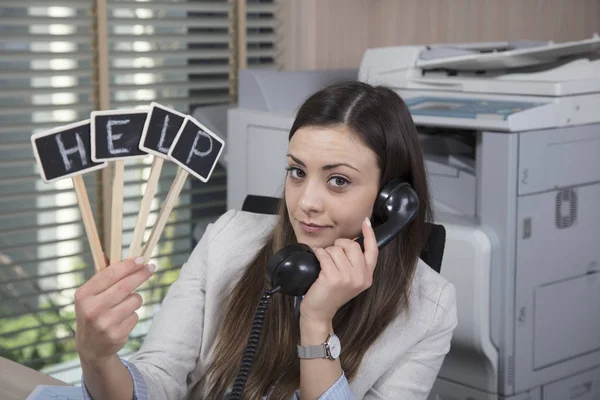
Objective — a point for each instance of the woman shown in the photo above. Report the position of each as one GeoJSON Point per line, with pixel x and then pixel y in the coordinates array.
{"type": "Point", "coordinates": [393, 315]}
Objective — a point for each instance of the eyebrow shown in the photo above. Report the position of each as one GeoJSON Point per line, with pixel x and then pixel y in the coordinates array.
{"type": "Point", "coordinates": [325, 167]}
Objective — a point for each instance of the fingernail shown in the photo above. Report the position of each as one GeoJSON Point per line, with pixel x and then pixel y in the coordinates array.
{"type": "Point", "coordinates": [368, 221]}
{"type": "Point", "coordinates": [151, 268]}
{"type": "Point", "coordinates": [139, 260]}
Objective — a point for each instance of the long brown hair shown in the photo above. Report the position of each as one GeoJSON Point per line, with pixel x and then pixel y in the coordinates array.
{"type": "Point", "coordinates": [380, 118]}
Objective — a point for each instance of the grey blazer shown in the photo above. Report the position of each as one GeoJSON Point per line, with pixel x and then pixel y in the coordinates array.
{"type": "Point", "coordinates": [402, 364]}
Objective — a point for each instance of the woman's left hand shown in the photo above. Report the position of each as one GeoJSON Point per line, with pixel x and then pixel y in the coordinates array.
{"type": "Point", "coordinates": [345, 273]}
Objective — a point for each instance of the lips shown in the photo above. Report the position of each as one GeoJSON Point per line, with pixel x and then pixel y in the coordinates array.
{"type": "Point", "coordinates": [310, 227]}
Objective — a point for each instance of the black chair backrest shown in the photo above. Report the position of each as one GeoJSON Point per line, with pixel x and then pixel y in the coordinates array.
{"type": "Point", "coordinates": [432, 254]}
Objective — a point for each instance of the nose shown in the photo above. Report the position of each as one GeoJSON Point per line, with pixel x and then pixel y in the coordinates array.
{"type": "Point", "coordinates": [311, 199]}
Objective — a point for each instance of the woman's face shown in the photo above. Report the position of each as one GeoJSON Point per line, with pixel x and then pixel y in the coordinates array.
{"type": "Point", "coordinates": [331, 184]}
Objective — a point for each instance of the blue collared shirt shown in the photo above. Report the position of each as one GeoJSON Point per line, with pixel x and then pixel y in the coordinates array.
{"type": "Point", "coordinates": [340, 390]}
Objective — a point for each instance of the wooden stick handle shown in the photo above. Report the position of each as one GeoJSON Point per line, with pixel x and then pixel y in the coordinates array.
{"type": "Point", "coordinates": [165, 212]}
{"type": "Point", "coordinates": [89, 223]}
{"type": "Point", "coordinates": [138, 233]}
{"type": "Point", "coordinates": [116, 222]}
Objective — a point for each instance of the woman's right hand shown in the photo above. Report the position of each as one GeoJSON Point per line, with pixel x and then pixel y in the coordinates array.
{"type": "Point", "coordinates": [105, 309]}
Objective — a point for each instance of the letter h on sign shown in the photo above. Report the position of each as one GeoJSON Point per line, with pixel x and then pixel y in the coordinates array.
{"type": "Point", "coordinates": [64, 152]}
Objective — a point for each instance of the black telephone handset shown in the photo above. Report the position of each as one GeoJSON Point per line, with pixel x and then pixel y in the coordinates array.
{"type": "Point", "coordinates": [295, 268]}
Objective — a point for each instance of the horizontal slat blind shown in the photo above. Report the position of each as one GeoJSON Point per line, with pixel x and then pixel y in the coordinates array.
{"type": "Point", "coordinates": [177, 53]}
{"type": "Point", "coordinates": [45, 82]}
{"type": "Point", "coordinates": [261, 34]}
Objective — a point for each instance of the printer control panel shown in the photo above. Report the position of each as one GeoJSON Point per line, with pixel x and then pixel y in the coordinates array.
{"type": "Point", "coordinates": [466, 108]}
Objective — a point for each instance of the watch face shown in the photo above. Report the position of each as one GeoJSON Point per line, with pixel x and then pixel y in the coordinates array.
{"type": "Point", "coordinates": [335, 347]}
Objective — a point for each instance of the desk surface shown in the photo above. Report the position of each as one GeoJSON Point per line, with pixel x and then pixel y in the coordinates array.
{"type": "Point", "coordinates": [17, 381]}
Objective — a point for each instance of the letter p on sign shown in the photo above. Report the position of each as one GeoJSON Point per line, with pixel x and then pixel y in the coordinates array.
{"type": "Point", "coordinates": [196, 149]}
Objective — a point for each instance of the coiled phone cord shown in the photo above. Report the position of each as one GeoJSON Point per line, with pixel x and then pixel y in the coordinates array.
{"type": "Point", "coordinates": [250, 352]}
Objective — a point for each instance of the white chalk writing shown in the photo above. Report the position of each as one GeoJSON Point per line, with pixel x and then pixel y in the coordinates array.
{"type": "Point", "coordinates": [112, 137]}
{"type": "Point", "coordinates": [195, 152]}
{"type": "Point", "coordinates": [65, 153]}
{"type": "Point", "coordinates": [163, 133]}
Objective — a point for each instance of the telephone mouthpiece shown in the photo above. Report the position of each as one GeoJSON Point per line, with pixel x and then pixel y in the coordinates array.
{"type": "Point", "coordinates": [294, 268]}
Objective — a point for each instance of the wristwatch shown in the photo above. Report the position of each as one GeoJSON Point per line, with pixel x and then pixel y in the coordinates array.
{"type": "Point", "coordinates": [331, 349]}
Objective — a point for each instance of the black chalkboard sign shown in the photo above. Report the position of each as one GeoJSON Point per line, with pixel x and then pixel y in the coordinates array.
{"type": "Point", "coordinates": [65, 151]}
{"type": "Point", "coordinates": [116, 134]}
{"type": "Point", "coordinates": [196, 149]}
{"type": "Point", "coordinates": [160, 129]}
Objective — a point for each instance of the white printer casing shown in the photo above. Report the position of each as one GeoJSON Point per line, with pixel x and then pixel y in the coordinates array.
{"type": "Point", "coordinates": [511, 136]}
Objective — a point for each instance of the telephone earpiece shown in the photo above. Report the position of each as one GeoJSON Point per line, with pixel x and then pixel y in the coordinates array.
{"type": "Point", "coordinates": [295, 267]}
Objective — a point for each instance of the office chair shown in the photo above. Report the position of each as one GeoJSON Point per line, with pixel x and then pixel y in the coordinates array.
{"type": "Point", "coordinates": [432, 254]}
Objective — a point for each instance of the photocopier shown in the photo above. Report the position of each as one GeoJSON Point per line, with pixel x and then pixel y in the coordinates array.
{"type": "Point", "coordinates": [511, 137]}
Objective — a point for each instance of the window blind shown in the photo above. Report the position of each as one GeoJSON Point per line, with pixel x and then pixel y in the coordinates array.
{"type": "Point", "coordinates": [45, 81]}
{"type": "Point", "coordinates": [177, 53]}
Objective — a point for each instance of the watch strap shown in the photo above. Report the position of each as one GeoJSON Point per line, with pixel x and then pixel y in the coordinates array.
{"type": "Point", "coordinates": [312, 351]}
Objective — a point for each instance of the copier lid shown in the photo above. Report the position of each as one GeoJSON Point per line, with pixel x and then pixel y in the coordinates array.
{"type": "Point", "coordinates": [532, 69]}
{"type": "Point", "coordinates": [487, 58]}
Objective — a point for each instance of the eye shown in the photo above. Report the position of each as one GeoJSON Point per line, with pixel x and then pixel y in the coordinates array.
{"type": "Point", "coordinates": [295, 172]}
{"type": "Point", "coordinates": [339, 181]}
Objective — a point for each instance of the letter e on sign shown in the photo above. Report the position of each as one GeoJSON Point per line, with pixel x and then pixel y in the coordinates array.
{"type": "Point", "coordinates": [116, 134]}
{"type": "Point", "coordinates": [65, 151]}
{"type": "Point", "coordinates": [196, 149]}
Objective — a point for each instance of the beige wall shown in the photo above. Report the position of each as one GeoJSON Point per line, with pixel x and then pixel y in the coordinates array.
{"type": "Point", "coordinates": [334, 33]}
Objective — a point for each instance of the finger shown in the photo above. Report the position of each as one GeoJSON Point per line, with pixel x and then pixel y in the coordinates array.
{"type": "Point", "coordinates": [112, 317]}
{"type": "Point", "coordinates": [361, 273]}
{"type": "Point", "coordinates": [341, 261]}
{"type": "Point", "coordinates": [124, 309]}
{"type": "Point", "coordinates": [353, 252]}
{"type": "Point", "coordinates": [119, 334]}
{"type": "Point", "coordinates": [371, 251]}
{"type": "Point", "coordinates": [109, 276]}
{"type": "Point", "coordinates": [328, 267]}
{"type": "Point", "coordinates": [123, 288]}
{"type": "Point", "coordinates": [127, 325]}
